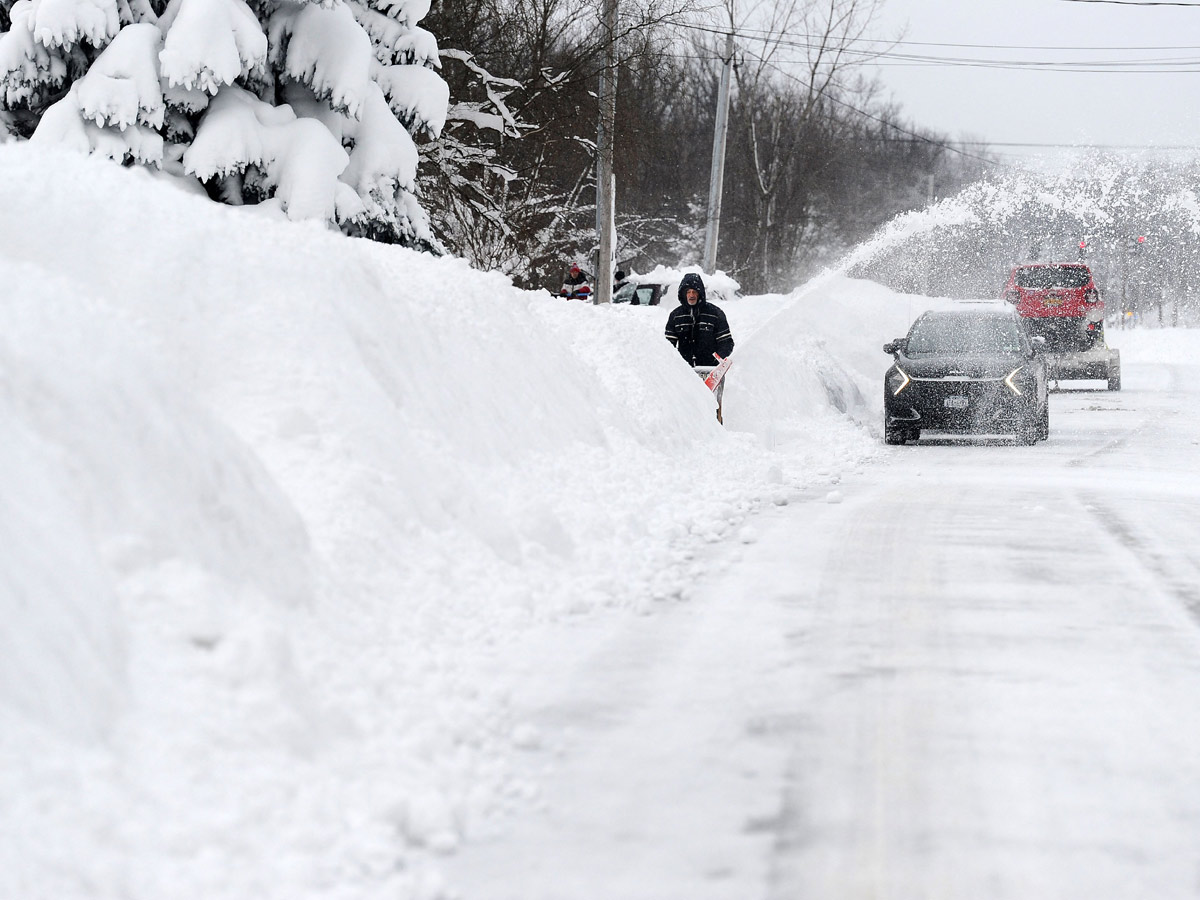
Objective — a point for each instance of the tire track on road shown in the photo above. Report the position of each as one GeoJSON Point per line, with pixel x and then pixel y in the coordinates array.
{"type": "Point", "coordinates": [1184, 587]}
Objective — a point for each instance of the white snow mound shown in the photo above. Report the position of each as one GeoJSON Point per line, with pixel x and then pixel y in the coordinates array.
{"type": "Point", "coordinates": [269, 495]}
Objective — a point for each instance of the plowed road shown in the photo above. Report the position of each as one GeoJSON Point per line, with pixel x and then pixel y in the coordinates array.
{"type": "Point", "coordinates": [977, 676]}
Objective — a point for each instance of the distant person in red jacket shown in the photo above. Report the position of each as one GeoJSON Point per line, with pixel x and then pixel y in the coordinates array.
{"type": "Point", "coordinates": [576, 286]}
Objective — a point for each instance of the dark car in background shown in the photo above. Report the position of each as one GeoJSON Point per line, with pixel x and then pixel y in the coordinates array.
{"type": "Point", "coordinates": [968, 371]}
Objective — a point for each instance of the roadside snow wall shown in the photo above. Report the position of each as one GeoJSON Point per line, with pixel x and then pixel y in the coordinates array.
{"type": "Point", "coordinates": [269, 496]}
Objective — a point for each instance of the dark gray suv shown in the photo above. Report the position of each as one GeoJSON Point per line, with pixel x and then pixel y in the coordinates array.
{"type": "Point", "coordinates": [967, 372]}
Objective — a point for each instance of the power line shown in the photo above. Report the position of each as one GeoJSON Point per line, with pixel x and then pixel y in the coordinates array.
{"type": "Point", "coordinates": [1138, 2]}
{"type": "Point", "coordinates": [1114, 67]}
{"type": "Point", "coordinates": [1111, 63]}
{"type": "Point", "coordinates": [1192, 147]}
{"type": "Point", "coordinates": [1034, 144]}
{"type": "Point", "coordinates": [953, 146]}
{"type": "Point", "coordinates": [767, 34]}
{"type": "Point", "coordinates": [862, 112]}
{"type": "Point", "coordinates": [1131, 66]}
{"type": "Point", "coordinates": [1011, 68]}
{"type": "Point", "coordinates": [1172, 64]}
{"type": "Point", "coordinates": [1181, 68]}
{"type": "Point", "coordinates": [889, 57]}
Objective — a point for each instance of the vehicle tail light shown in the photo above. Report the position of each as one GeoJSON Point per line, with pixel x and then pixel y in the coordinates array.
{"type": "Point", "coordinates": [1091, 295]}
{"type": "Point", "coordinates": [1012, 296]}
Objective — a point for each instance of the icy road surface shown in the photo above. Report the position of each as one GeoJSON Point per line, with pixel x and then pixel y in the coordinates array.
{"type": "Point", "coordinates": [969, 671]}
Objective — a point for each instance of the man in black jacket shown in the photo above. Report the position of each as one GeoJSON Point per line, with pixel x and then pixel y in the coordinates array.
{"type": "Point", "coordinates": [697, 328]}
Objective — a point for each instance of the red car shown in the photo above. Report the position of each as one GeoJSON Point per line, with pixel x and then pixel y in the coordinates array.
{"type": "Point", "coordinates": [1054, 290]}
{"type": "Point", "coordinates": [1061, 303]}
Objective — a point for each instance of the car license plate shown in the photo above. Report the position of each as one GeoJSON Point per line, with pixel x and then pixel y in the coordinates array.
{"type": "Point", "coordinates": [955, 402]}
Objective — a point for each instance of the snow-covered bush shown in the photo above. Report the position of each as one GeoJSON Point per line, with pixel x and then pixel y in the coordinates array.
{"type": "Point", "coordinates": [314, 104]}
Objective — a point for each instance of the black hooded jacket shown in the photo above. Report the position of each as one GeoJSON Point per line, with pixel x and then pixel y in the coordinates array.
{"type": "Point", "coordinates": [698, 331]}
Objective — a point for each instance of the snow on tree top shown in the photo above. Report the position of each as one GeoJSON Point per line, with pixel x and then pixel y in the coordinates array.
{"type": "Point", "coordinates": [384, 156]}
{"type": "Point", "coordinates": [298, 157]}
{"type": "Point", "coordinates": [328, 51]}
{"type": "Point", "coordinates": [407, 12]}
{"type": "Point", "coordinates": [234, 134]}
{"type": "Point", "coordinates": [210, 43]}
{"type": "Point", "coordinates": [123, 86]}
{"type": "Point", "coordinates": [63, 124]}
{"type": "Point", "coordinates": [64, 23]}
{"type": "Point", "coordinates": [27, 69]}
{"type": "Point", "coordinates": [416, 94]}
{"type": "Point", "coordinates": [395, 43]}
{"type": "Point", "coordinates": [419, 46]}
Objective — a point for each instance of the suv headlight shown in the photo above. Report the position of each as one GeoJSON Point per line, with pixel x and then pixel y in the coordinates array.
{"type": "Point", "coordinates": [1011, 381]}
{"type": "Point", "coordinates": [897, 380]}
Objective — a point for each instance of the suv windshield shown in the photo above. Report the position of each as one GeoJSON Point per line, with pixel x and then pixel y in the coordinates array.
{"type": "Point", "coordinates": [1040, 278]}
{"type": "Point", "coordinates": [958, 334]}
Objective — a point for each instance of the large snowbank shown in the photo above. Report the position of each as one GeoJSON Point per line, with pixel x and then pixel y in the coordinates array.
{"type": "Point", "coordinates": [1172, 346]}
{"type": "Point", "coordinates": [268, 495]}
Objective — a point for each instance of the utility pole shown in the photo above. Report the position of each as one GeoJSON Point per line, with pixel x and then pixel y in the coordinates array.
{"type": "Point", "coordinates": [605, 182]}
{"type": "Point", "coordinates": [717, 178]}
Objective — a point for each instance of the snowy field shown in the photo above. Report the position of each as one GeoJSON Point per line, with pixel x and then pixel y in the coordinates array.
{"type": "Point", "coordinates": [270, 496]}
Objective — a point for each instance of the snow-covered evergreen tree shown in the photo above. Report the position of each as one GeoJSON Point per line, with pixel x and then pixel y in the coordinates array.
{"type": "Point", "coordinates": [312, 106]}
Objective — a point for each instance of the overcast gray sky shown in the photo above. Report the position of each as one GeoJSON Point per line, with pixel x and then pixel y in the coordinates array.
{"type": "Point", "coordinates": [1056, 107]}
